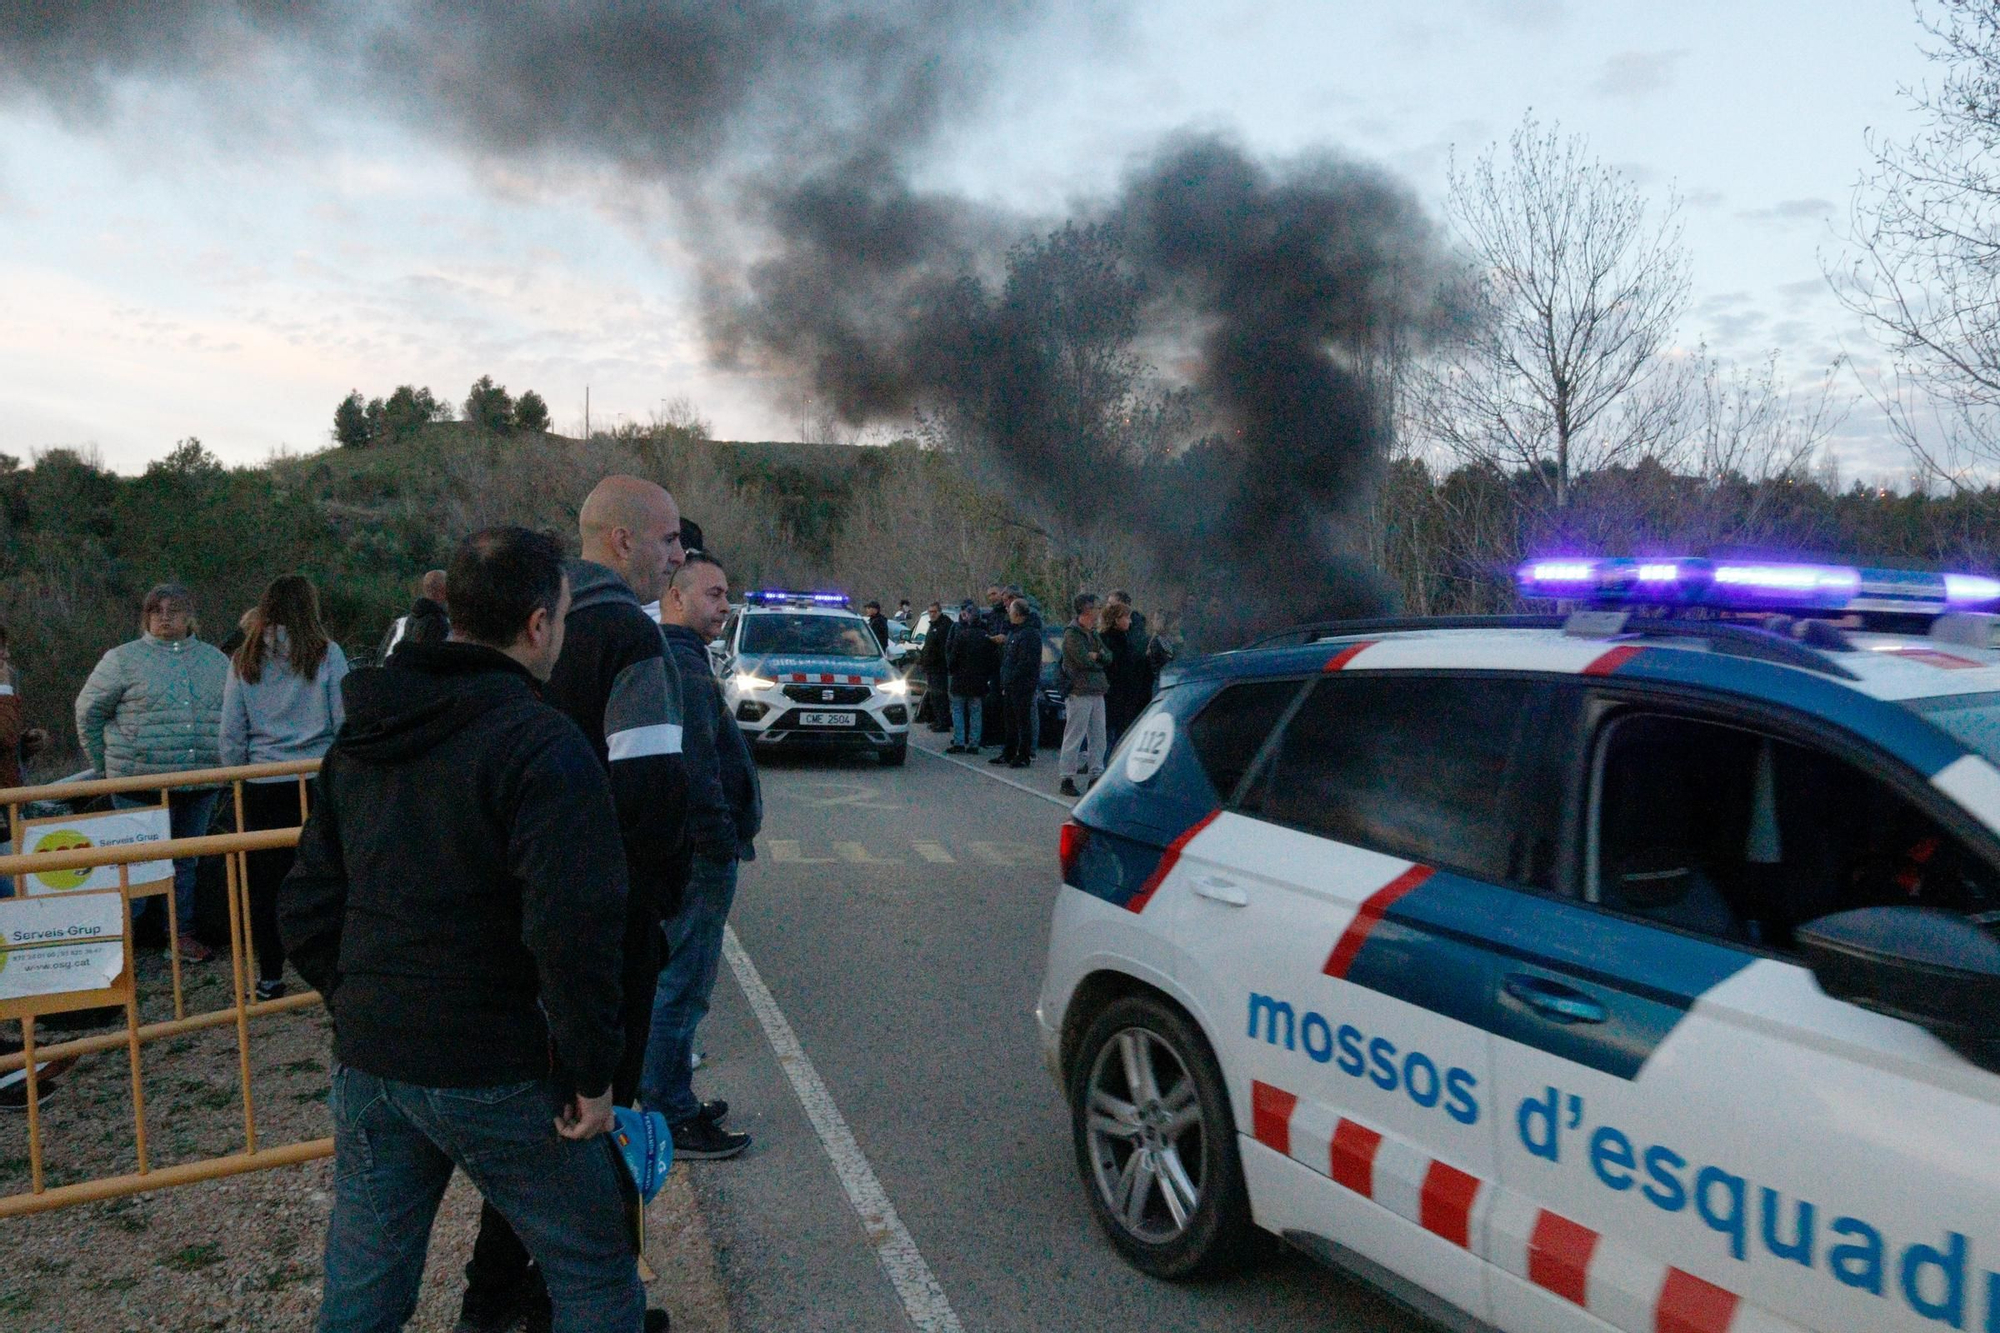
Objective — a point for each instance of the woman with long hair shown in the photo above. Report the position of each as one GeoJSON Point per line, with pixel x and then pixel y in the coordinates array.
{"type": "Point", "coordinates": [280, 703]}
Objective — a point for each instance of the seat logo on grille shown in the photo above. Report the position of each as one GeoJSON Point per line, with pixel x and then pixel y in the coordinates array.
{"type": "Point", "coordinates": [826, 696]}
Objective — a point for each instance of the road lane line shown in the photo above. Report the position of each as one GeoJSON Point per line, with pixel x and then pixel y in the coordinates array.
{"type": "Point", "coordinates": [985, 770]}
{"type": "Point", "coordinates": [922, 1296]}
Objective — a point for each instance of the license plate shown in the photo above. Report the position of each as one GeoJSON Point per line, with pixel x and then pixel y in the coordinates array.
{"type": "Point", "coordinates": [826, 719]}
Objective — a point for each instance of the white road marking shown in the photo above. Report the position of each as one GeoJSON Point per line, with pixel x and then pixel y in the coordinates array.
{"type": "Point", "coordinates": [986, 770]}
{"type": "Point", "coordinates": [923, 1298]}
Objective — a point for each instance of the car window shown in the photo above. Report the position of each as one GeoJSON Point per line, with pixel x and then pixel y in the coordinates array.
{"type": "Point", "coordinates": [1451, 771]}
{"type": "Point", "coordinates": [822, 636]}
{"type": "Point", "coordinates": [1745, 837]}
{"type": "Point", "coordinates": [1969, 719]}
{"type": "Point", "coordinates": [1232, 727]}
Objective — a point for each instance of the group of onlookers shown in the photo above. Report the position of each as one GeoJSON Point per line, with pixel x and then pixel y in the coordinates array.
{"type": "Point", "coordinates": [521, 850]}
{"type": "Point", "coordinates": [983, 667]}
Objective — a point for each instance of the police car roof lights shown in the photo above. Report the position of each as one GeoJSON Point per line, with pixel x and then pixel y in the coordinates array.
{"type": "Point", "coordinates": [791, 597]}
{"type": "Point", "coordinates": [1752, 585]}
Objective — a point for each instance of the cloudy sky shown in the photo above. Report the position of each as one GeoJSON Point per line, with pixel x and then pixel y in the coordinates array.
{"type": "Point", "coordinates": [171, 267]}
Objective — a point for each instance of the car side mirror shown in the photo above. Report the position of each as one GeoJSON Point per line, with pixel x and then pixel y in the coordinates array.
{"type": "Point", "coordinates": [1929, 967]}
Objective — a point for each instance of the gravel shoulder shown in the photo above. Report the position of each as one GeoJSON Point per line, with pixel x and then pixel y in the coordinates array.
{"type": "Point", "coordinates": [242, 1252]}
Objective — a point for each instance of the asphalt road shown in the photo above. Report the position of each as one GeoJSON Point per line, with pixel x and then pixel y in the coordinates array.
{"type": "Point", "coordinates": [899, 919]}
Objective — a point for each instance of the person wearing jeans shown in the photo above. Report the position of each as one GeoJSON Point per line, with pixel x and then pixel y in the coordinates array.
{"type": "Point", "coordinates": [725, 809]}
{"type": "Point", "coordinates": [190, 811]}
{"type": "Point", "coordinates": [970, 669]}
{"type": "Point", "coordinates": [1084, 659]}
{"type": "Point", "coordinates": [459, 899]}
{"type": "Point", "coordinates": [281, 703]}
{"type": "Point", "coordinates": [391, 1139]}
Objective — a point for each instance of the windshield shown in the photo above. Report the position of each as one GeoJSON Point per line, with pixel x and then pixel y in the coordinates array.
{"type": "Point", "coordinates": [817, 636]}
{"type": "Point", "coordinates": [1971, 719]}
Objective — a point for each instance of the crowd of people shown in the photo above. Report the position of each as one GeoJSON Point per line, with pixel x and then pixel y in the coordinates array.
{"type": "Point", "coordinates": [983, 674]}
{"type": "Point", "coordinates": [511, 885]}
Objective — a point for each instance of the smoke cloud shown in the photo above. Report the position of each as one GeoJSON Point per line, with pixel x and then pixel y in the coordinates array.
{"type": "Point", "coordinates": [1270, 297]}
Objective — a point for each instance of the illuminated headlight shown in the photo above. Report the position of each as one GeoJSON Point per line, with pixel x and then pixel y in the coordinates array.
{"type": "Point", "coordinates": [745, 681]}
{"type": "Point", "coordinates": [894, 685]}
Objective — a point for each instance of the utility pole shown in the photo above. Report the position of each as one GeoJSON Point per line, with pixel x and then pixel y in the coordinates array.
{"type": "Point", "coordinates": [586, 412]}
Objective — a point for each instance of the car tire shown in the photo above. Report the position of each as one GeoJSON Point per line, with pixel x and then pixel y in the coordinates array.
{"type": "Point", "coordinates": [896, 755]}
{"type": "Point", "coordinates": [1169, 1239]}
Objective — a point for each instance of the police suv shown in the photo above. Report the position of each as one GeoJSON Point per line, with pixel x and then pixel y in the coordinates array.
{"type": "Point", "coordinates": [803, 670]}
{"type": "Point", "coordinates": [1633, 969]}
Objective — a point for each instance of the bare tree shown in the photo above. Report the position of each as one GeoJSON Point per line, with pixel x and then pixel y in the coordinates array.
{"type": "Point", "coordinates": [1925, 272]}
{"type": "Point", "coordinates": [1573, 293]}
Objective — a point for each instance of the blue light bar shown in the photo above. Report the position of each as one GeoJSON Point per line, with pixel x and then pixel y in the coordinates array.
{"type": "Point", "coordinates": [1751, 585]}
{"type": "Point", "coordinates": [791, 597]}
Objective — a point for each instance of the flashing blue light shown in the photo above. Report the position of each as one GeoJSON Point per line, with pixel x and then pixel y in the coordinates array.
{"type": "Point", "coordinates": [1970, 589]}
{"type": "Point", "coordinates": [1752, 585]}
{"type": "Point", "coordinates": [785, 596]}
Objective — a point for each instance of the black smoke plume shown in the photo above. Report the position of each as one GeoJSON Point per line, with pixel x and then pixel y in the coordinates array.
{"type": "Point", "coordinates": [1272, 299]}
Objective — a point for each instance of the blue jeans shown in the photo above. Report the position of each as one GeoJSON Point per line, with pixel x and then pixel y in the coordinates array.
{"type": "Point", "coordinates": [394, 1147]}
{"type": "Point", "coordinates": [694, 938]}
{"type": "Point", "coordinates": [188, 816]}
{"type": "Point", "coordinates": [968, 716]}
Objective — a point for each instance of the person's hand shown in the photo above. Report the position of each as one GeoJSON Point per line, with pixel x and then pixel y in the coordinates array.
{"type": "Point", "coordinates": [585, 1117]}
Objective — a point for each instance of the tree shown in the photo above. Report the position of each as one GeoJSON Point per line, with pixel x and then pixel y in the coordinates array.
{"type": "Point", "coordinates": [530, 412]}
{"type": "Point", "coordinates": [351, 427]}
{"type": "Point", "coordinates": [409, 410]}
{"type": "Point", "coordinates": [1925, 227]}
{"type": "Point", "coordinates": [1573, 293]}
{"type": "Point", "coordinates": [489, 406]}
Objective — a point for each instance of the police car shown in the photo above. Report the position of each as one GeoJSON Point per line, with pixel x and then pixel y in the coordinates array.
{"type": "Point", "coordinates": [1629, 969]}
{"type": "Point", "coordinates": [802, 670]}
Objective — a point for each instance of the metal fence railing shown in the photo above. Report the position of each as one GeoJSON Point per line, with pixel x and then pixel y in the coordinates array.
{"type": "Point", "coordinates": [66, 946]}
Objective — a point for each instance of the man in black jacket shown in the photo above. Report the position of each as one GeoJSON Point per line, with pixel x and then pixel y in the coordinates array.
{"type": "Point", "coordinates": [937, 667]}
{"type": "Point", "coordinates": [725, 810]}
{"type": "Point", "coordinates": [1020, 678]}
{"type": "Point", "coordinates": [424, 622]}
{"type": "Point", "coordinates": [615, 681]}
{"type": "Point", "coordinates": [459, 900]}
{"type": "Point", "coordinates": [969, 669]}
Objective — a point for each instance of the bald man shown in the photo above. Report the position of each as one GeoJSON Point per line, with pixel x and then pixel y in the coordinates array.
{"type": "Point", "coordinates": [424, 622]}
{"type": "Point", "coordinates": [616, 681]}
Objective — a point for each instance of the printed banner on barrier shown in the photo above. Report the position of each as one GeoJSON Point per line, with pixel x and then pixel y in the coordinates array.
{"type": "Point", "coordinates": [112, 828]}
{"type": "Point", "coordinates": [51, 945]}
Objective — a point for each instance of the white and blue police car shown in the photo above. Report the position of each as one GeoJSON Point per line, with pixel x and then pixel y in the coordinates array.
{"type": "Point", "coordinates": [1626, 969]}
{"type": "Point", "coordinates": [802, 670]}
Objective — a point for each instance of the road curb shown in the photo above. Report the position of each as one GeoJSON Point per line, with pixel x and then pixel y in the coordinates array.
{"type": "Point", "coordinates": [986, 770]}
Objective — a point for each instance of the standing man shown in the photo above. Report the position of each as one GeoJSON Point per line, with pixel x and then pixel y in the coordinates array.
{"type": "Point", "coordinates": [937, 667]}
{"type": "Point", "coordinates": [1084, 659]}
{"type": "Point", "coordinates": [878, 623]}
{"type": "Point", "coordinates": [970, 672]}
{"type": "Point", "coordinates": [459, 901]}
{"type": "Point", "coordinates": [725, 810]}
{"type": "Point", "coordinates": [425, 622]}
{"type": "Point", "coordinates": [1119, 597]}
{"type": "Point", "coordinates": [615, 681]}
{"type": "Point", "coordinates": [1020, 677]}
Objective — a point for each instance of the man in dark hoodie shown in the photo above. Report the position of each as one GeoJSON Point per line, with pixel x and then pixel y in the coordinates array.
{"type": "Point", "coordinates": [459, 899]}
{"type": "Point", "coordinates": [615, 681]}
{"type": "Point", "coordinates": [425, 621]}
{"type": "Point", "coordinates": [725, 810]}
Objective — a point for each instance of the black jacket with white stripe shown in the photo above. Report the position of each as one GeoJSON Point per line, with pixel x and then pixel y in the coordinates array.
{"type": "Point", "coordinates": [616, 680]}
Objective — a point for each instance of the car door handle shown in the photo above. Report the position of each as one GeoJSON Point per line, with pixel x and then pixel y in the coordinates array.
{"type": "Point", "coordinates": [1222, 890]}
{"type": "Point", "coordinates": [1553, 1000]}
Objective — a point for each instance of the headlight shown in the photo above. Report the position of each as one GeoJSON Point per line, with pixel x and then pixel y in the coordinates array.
{"type": "Point", "coordinates": [894, 685]}
{"type": "Point", "coordinates": [746, 681]}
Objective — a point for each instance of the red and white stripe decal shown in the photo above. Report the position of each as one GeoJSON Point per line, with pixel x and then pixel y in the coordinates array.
{"type": "Point", "coordinates": [804, 678]}
{"type": "Point", "coordinates": [1612, 659]}
{"type": "Point", "coordinates": [1366, 919]}
{"type": "Point", "coordinates": [1348, 654]}
{"type": "Point", "coordinates": [1508, 1230]}
{"type": "Point", "coordinates": [1168, 860]}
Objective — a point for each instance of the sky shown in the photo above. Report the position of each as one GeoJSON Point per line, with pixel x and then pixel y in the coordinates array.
{"type": "Point", "coordinates": [167, 272]}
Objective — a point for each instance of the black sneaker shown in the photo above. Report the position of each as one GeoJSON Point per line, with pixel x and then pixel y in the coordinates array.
{"type": "Point", "coordinates": [714, 1110]}
{"type": "Point", "coordinates": [700, 1140]}
{"type": "Point", "coordinates": [14, 1095]}
{"type": "Point", "coordinates": [1068, 788]}
{"type": "Point", "coordinates": [1002, 758]}
{"type": "Point", "coordinates": [658, 1322]}
{"type": "Point", "coordinates": [270, 990]}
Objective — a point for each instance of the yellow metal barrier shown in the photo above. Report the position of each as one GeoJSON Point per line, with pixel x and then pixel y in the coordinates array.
{"type": "Point", "coordinates": [124, 990]}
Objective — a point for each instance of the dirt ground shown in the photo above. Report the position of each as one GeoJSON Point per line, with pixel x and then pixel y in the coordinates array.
{"type": "Point", "coordinates": [242, 1252]}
